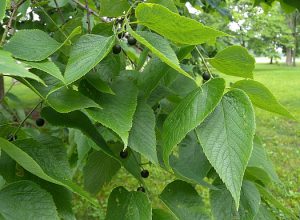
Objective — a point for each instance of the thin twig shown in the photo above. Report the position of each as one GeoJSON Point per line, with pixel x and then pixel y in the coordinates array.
{"type": "Point", "coordinates": [60, 30]}
{"type": "Point", "coordinates": [203, 60]}
{"type": "Point", "coordinates": [7, 91]}
{"type": "Point", "coordinates": [59, 12]}
{"type": "Point", "coordinates": [90, 10]}
{"type": "Point", "coordinates": [9, 24]}
{"type": "Point", "coordinates": [27, 116]}
{"type": "Point", "coordinates": [88, 18]}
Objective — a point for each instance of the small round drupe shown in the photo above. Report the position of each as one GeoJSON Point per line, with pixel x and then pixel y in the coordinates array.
{"type": "Point", "coordinates": [141, 189]}
{"type": "Point", "coordinates": [117, 49]}
{"type": "Point", "coordinates": [145, 173]}
{"type": "Point", "coordinates": [12, 137]}
{"type": "Point", "coordinates": [40, 122]}
{"type": "Point", "coordinates": [131, 40]}
{"type": "Point", "coordinates": [206, 76]}
{"type": "Point", "coordinates": [124, 154]}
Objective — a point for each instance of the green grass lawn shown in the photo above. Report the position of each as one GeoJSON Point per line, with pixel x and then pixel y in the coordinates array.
{"type": "Point", "coordinates": [280, 135]}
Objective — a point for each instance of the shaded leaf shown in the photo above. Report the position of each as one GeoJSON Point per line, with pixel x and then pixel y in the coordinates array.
{"type": "Point", "coordinates": [223, 205]}
{"type": "Point", "coordinates": [142, 136]}
{"type": "Point", "coordinates": [183, 200]}
{"type": "Point", "coordinates": [113, 8]}
{"type": "Point", "coordinates": [26, 200]}
{"type": "Point", "coordinates": [117, 110]}
{"type": "Point", "coordinates": [78, 120]}
{"type": "Point", "coordinates": [31, 164]}
{"type": "Point", "coordinates": [128, 205]}
{"type": "Point", "coordinates": [99, 170]}
{"type": "Point", "coordinates": [66, 100]}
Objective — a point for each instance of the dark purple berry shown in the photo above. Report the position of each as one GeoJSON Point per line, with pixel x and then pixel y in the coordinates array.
{"type": "Point", "coordinates": [40, 122]}
{"type": "Point", "coordinates": [124, 154]}
{"type": "Point", "coordinates": [131, 41]}
{"type": "Point", "coordinates": [206, 76]}
{"type": "Point", "coordinates": [144, 173]}
{"type": "Point", "coordinates": [117, 49]}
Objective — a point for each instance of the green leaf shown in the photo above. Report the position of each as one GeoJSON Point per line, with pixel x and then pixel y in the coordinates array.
{"type": "Point", "coordinates": [234, 61]}
{"type": "Point", "coordinates": [99, 170]}
{"type": "Point", "coordinates": [96, 81]}
{"type": "Point", "coordinates": [62, 198]}
{"type": "Point", "coordinates": [151, 75]}
{"type": "Point", "coordinates": [10, 67]}
{"type": "Point", "coordinates": [78, 120]}
{"type": "Point", "coordinates": [48, 67]}
{"type": "Point", "coordinates": [262, 97]}
{"type": "Point", "coordinates": [2, 10]}
{"type": "Point", "coordinates": [88, 51]}
{"type": "Point", "coordinates": [2, 182]}
{"type": "Point", "coordinates": [160, 214]}
{"type": "Point", "coordinates": [113, 8]}
{"type": "Point", "coordinates": [35, 45]}
{"type": "Point", "coordinates": [223, 205]}
{"type": "Point", "coordinates": [189, 113]}
{"type": "Point", "coordinates": [191, 163]}
{"type": "Point", "coordinates": [117, 110]}
{"type": "Point", "coordinates": [66, 100]}
{"type": "Point", "coordinates": [175, 27]}
{"type": "Point", "coordinates": [128, 205]}
{"type": "Point", "coordinates": [259, 160]}
{"type": "Point", "coordinates": [166, 3]}
{"type": "Point", "coordinates": [226, 137]}
{"type": "Point", "coordinates": [142, 137]}
{"type": "Point", "coordinates": [26, 200]}
{"type": "Point", "coordinates": [183, 200]}
{"type": "Point", "coordinates": [40, 164]}
{"type": "Point", "coordinates": [160, 47]}
{"type": "Point", "coordinates": [274, 201]}
{"type": "Point", "coordinates": [264, 213]}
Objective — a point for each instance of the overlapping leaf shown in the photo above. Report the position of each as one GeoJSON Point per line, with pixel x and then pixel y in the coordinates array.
{"type": "Point", "coordinates": [226, 137]}
{"type": "Point", "coordinates": [10, 67]}
{"type": "Point", "coordinates": [189, 113]}
{"type": "Point", "coordinates": [88, 51]}
{"type": "Point", "coordinates": [40, 159]}
{"type": "Point", "coordinates": [117, 110]}
{"type": "Point", "coordinates": [234, 61]}
{"type": "Point", "coordinates": [26, 200]}
{"type": "Point", "coordinates": [65, 100]}
{"type": "Point", "coordinates": [183, 200]}
{"type": "Point", "coordinates": [262, 97]}
{"type": "Point", "coordinates": [35, 45]}
{"type": "Point", "coordinates": [142, 136]}
{"type": "Point", "coordinates": [128, 205]}
{"type": "Point", "coordinates": [223, 205]}
{"type": "Point", "coordinates": [175, 27]}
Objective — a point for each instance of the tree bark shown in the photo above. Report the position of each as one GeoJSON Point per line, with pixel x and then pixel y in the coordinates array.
{"type": "Point", "coordinates": [289, 59]}
{"type": "Point", "coordinates": [271, 60]}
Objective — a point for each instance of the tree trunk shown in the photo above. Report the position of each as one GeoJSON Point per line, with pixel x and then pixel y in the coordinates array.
{"type": "Point", "coordinates": [271, 60]}
{"type": "Point", "coordinates": [1, 87]}
{"type": "Point", "coordinates": [289, 60]}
